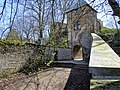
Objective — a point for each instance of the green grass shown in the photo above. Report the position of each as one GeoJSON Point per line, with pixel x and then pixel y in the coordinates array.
{"type": "Point", "coordinates": [105, 85]}
{"type": "Point", "coordinates": [6, 74]}
{"type": "Point", "coordinates": [13, 42]}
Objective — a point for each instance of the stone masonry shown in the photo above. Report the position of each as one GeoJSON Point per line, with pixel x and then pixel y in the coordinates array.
{"type": "Point", "coordinates": [79, 14]}
{"type": "Point", "coordinates": [13, 57]}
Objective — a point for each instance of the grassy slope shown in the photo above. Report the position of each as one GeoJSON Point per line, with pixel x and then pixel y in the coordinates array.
{"type": "Point", "coordinates": [105, 85]}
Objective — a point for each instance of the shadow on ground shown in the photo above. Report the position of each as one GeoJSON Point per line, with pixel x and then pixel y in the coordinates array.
{"type": "Point", "coordinates": [79, 79]}
{"type": "Point", "coordinates": [53, 79]}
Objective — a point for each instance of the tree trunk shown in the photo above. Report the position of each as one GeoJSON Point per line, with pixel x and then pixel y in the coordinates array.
{"type": "Point", "coordinates": [116, 11]}
{"type": "Point", "coordinates": [115, 7]}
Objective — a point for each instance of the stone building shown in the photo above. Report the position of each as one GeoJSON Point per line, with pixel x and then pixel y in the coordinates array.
{"type": "Point", "coordinates": [79, 14]}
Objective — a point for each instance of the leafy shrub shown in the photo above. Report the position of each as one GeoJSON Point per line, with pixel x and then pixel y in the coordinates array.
{"type": "Point", "coordinates": [13, 42]}
{"type": "Point", "coordinates": [105, 31]}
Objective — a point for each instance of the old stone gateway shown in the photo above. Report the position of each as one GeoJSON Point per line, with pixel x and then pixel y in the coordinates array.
{"type": "Point", "coordinates": [80, 15]}
{"type": "Point", "coordinates": [77, 51]}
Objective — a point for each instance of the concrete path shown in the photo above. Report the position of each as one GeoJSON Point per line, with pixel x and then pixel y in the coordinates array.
{"type": "Point", "coordinates": [104, 62]}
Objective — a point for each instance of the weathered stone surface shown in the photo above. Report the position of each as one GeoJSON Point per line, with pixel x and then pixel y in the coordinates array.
{"type": "Point", "coordinates": [82, 37]}
{"type": "Point", "coordinates": [85, 39]}
{"type": "Point", "coordinates": [82, 15]}
{"type": "Point", "coordinates": [103, 61]}
{"type": "Point", "coordinates": [64, 54]}
{"type": "Point", "coordinates": [13, 57]}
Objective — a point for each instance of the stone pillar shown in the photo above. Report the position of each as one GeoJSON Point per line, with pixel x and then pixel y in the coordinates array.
{"type": "Point", "coordinates": [85, 40]}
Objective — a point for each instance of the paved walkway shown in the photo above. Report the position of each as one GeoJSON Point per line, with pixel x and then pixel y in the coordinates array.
{"type": "Point", "coordinates": [103, 61]}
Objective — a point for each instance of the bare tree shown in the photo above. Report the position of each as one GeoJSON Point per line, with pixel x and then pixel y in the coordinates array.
{"type": "Point", "coordinates": [115, 7]}
{"type": "Point", "coordinates": [28, 31]}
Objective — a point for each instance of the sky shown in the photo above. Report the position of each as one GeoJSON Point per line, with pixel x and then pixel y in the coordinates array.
{"type": "Point", "coordinates": [103, 14]}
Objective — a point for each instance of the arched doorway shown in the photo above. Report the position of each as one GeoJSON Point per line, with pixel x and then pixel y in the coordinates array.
{"type": "Point", "coordinates": [77, 52]}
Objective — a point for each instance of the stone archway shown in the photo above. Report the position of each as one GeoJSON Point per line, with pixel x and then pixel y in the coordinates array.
{"type": "Point", "coordinates": [77, 52]}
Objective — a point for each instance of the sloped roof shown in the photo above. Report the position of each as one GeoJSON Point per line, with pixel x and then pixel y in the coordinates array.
{"type": "Point", "coordinates": [76, 4]}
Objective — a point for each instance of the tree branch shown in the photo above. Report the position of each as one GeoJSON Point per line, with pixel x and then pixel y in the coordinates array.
{"type": "Point", "coordinates": [3, 9]}
{"type": "Point", "coordinates": [115, 7]}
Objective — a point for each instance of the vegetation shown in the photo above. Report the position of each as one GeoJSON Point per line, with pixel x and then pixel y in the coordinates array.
{"type": "Point", "coordinates": [41, 58]}
{"type": "Point", "coordinates": [11, 42]}
{"type": "Point", "coordinates": [107, 34]}
{"type": "Point", "coordinates": [38, 60]}
{"type": "Point", "coordinates": [105, 31]}
{"type": "Point", "coordinates": [111, 36]}
{"type": "Point", "coordinates": [6, 43]}
{"type": "Point", "coordinates": [58, 36]}
{"type": "Point", "coordinates": [42, 13]}
{"type": "Point", "coordinates": [105, 85]}
{"type": "Point", "coordinates": [6, 74]}
{"type": "Point", "coordinates": [13, 35]}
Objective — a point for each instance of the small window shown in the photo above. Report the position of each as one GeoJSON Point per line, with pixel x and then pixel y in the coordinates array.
{"type": "Point", "coordinates": [75, 11]}
{"type": "Point", "coordinates": [78, 25]}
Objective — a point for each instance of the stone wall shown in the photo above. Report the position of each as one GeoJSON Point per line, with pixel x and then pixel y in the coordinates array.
{"type": "Point", "coordinates": [84, 15]}
{"type": "Point", "coordinates": [12, 57]}
{"type": "Point", "coordinates": [65, 54]}
{"type": "Point", "coordinates": [62, 53]}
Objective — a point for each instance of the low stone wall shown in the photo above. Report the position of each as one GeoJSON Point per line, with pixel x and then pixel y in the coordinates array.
{"type": "Point", "coordinates": [64, 54]}
{"type": "Point", "coordinates": [12, 57]}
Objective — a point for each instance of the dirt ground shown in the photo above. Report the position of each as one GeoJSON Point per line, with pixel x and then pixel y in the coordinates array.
{"type": "Point", "coordinates": [52, 79]}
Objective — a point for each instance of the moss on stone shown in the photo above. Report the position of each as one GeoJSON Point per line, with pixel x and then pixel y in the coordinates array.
{"type": "Point", "coordinates": [11, 42]}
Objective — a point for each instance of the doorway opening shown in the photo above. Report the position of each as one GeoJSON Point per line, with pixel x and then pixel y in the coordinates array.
{"type": "Point", "coordinates": [77, 52]}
